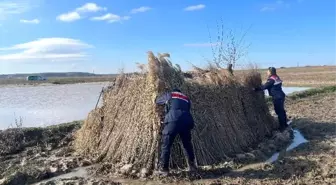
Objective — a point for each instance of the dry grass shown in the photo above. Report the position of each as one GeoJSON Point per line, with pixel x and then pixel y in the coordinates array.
{"type": "Point", "coordinates": [315, 76]}
{"type": "Point", "coordinates": [125, 131]}
{"type": "Point", "coordinates": [310, 163]}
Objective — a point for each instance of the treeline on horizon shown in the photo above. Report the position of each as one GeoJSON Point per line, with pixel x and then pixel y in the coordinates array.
{"type": "Point", "coordinates": [86, 74]}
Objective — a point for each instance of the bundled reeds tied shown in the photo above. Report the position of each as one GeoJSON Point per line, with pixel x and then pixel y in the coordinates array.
{"type": "Point", "coordinates": [126, 130]}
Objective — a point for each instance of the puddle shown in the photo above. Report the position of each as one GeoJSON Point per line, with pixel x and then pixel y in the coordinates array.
{"type": "Point", "coordinates": [298, 139]}
{"type": "Point", "coordinates": [82, 172]}
{"type": "Point", "coordinates": [78, 172]}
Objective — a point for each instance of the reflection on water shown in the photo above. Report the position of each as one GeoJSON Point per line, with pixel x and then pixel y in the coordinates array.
{"type": "Point", "coordinates": [48, 104]}
{"type": "Point", "coordinates": [298, 139]}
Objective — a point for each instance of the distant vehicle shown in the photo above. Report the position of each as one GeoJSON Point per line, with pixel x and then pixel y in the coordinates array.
{"type": "Point", "coordinates": [36, 78]}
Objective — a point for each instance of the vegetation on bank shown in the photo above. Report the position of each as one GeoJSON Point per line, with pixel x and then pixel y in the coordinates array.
{"type": "Point", "coordinates": [14, 140]}
{"type": "Point", "coordinates": [313, 92]}
{"type": "Point", "coordinates": [309, 92]}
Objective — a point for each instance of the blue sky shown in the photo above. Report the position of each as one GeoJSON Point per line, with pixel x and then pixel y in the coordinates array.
{"type": "Point", "coordinates": [106, 35]}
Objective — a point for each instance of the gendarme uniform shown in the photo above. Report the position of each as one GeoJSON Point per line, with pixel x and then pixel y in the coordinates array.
{"type": "Point", "coordinates": [274, 87]}
{"type": "Point", "coordinates": [178, 120]}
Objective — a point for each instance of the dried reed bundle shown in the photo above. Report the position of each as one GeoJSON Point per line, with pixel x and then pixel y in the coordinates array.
{"type": "Point", "coordinates": [229, 117]}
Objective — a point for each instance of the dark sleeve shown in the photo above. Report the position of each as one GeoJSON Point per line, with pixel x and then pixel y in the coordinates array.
{"type": "Point", "coordinates": [161, 100]}
{"type": "Point", "coordinates": [267, 85]}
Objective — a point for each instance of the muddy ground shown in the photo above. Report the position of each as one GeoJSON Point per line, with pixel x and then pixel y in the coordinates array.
{"type": "Point", "coordinates": [32, 154]}
{"type": "Point", "coordinates": [43, 156]}
{"type": "Point", "coordinates": [46, 156]}
{"type": "Point", "coordinates": [311, 163]}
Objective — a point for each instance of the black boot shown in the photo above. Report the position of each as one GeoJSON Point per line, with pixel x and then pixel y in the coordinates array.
{"type": "Point", "coordinates": [192, 166]}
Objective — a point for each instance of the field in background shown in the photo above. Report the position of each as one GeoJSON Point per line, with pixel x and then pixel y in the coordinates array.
{"type": "Point", "coordinates": [314, 76]}
{"type": "Point", "coordinates": [310, 76]}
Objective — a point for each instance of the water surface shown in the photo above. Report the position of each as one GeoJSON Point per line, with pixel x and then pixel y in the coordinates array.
{"type": "Point", "coordinates": [47, 104]}
{"type": "Point", "coordinates": [290, 90]}
{"type": "Point", "coordinates": [44, 105]}
{"type": "Point", "coordinates": [298, 139]}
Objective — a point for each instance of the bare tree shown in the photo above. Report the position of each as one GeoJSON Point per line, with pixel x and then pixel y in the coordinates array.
{"type": "Point", "coordinates": [229, 48]}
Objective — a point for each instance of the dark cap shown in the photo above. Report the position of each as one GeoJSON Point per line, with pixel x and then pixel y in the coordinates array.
{"type": "Point", "coordinates": [272, 70]}
{"type": "Point", "coordinates": [176, 90]}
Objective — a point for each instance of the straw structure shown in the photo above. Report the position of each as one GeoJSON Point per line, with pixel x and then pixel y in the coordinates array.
{"type": "Point", "coordinates": [229, 117]}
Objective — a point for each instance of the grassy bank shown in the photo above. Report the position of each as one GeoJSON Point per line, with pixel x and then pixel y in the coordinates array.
{"type": "Point", "coordinates": [308, 93]}
{"type": "Point", "coordinates": [28, 155]}
{"type": "Point", "coordinates": [14, 140]}
{"type": "Point", "coordinates": [313, 92]}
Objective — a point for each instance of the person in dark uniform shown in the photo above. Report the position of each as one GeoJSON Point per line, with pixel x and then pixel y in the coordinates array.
{"type": "Point", "coordinates": [178, 120]}
{"type": "Point", "coordinates": [274, 87]}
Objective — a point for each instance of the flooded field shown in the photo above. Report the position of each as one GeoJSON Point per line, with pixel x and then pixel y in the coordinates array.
{"type": "Point", "coordinates": [53, 104]}
{"type": "Point", "coordinates": [47, 104]}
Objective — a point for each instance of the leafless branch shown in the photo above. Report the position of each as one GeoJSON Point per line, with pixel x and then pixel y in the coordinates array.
{"type": "Point", "coordinates": [229, 47]}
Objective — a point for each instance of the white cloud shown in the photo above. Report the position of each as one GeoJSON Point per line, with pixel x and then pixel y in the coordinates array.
{"type": "Point", "coordinates": [90, 7]}
{"type": "Point", "coordinates": [33, 21]}
{"type": "Point", "coordinates": [140, 9]}
{"type": "Point", "coordinates": [275, 6]}
{"type": "Point", "coordinates": [200, 44]}
{"type": "Point", "coordinates": [77, 13]}
{"type": "Point", "coordinates": [69, 17]}
{"type": "Point", "coordinates": [46, 48]}
{"type": "Point", "coordinates": [110, 18]}
{"type": "Point", "coordinates": [126, 18]}
{"type": "Point", "coordinates": [10, 7]}
{"type": "Point", "coordinates": [194, 7]}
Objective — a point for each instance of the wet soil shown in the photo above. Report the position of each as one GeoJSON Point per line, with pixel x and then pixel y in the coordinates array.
{"type": "Point", "coordinates": [45, 155]}
{"type": "Point", "coordinates": [28, 155]}
{"type": "Point", "coordinates": [313, 162]}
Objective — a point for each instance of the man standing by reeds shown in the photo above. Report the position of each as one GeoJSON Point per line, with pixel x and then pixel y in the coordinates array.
{"type": "Point", "coordinates": [274, 87]}
{"type": "Point", "coordinates": [178, 120]}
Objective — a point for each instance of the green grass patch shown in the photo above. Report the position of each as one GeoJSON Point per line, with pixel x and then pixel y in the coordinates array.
{"type": "Point", "coordinates": [308, 93]}
{"type": "Point", "coordinates": [313, 92]}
